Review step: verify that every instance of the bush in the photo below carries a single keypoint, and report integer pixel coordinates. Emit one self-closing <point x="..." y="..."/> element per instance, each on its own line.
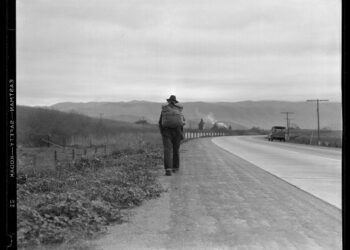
<point x="79" y="201"/>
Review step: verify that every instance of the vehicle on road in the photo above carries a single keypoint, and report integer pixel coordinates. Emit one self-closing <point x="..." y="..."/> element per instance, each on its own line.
<point x="277" y="133"/>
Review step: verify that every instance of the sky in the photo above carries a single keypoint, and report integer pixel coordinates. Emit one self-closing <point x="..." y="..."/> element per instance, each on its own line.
<point x="198" y="50"/>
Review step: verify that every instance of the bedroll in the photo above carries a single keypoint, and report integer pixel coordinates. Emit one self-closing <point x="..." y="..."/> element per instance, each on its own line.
<point x="172" y="116"/>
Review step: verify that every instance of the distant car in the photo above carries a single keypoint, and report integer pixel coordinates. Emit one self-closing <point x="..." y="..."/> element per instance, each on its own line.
<point x="277" y="133"/>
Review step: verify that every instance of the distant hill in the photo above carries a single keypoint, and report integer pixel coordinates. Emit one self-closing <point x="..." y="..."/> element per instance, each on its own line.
<point x="34" y="124"/>
<point x="240" y="115"/>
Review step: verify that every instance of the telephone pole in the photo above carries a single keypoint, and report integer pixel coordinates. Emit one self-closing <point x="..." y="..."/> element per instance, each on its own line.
<point x="287" y="118"/>
<point x="318" y="117"/>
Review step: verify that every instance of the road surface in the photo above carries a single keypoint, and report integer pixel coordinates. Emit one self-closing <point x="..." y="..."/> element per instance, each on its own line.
<point x="316" y="170"/>
<point x="220" y="201"/>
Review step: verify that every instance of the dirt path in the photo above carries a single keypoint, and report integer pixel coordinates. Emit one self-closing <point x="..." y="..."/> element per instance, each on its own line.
<point x="220" y="201"/>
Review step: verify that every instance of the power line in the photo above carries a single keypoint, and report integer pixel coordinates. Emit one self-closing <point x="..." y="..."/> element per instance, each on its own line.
<point x="318" y="117"/>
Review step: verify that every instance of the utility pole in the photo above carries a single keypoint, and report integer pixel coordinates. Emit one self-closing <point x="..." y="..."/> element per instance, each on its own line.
<point x="287" y="118"/>
<point x="318" y="117"/>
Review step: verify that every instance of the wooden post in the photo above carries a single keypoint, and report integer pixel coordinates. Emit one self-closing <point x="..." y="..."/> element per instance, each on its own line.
<point x="85" y="151"/>
<point x="55" y="158"/>
<point x="73" y="154"/>
<point x="34" y="161"/>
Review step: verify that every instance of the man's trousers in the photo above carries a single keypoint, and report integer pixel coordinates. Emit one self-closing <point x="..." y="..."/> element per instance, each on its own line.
<point x="171" y="141"/>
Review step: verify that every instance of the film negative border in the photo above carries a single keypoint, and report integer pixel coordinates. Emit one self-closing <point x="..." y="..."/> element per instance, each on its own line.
<point x="10" y="169"/>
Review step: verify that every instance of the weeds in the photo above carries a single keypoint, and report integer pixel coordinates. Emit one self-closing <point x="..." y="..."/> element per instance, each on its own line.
<point x="80" y="199"/>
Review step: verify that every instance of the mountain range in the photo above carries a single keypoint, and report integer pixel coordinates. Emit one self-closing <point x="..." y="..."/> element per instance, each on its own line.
<point x="238" y="115"/>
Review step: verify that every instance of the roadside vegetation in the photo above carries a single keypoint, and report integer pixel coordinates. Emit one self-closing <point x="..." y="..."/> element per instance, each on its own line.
<point x="78" y="199"/>
<point x="328" y="138"/>
<point x="64" y="198"/>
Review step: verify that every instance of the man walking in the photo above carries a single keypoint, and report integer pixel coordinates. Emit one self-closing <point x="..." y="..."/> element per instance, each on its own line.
<point x="171" y="124"/>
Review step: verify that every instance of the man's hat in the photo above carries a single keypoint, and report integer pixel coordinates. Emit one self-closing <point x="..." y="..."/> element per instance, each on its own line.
<point x="172" y="98"/>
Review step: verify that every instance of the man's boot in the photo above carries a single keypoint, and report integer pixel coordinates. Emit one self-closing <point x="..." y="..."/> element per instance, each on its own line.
<point x="168" y="172"/>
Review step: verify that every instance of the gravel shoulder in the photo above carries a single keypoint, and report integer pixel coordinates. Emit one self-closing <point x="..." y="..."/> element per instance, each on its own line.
<point x="221" y="201"/>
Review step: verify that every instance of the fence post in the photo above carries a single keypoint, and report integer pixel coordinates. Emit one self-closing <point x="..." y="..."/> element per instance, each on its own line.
<point x="34" y="161"/>
<point x="55" y="158"/>
<point x="73" y="154"/>
<point x="85" y="151"/>
<point x="95" y="150"/>
<point x="105" y="148"/>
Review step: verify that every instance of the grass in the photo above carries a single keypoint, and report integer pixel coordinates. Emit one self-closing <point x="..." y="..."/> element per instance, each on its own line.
<point x="77" y="199"/>
<point x="328" y="138"/>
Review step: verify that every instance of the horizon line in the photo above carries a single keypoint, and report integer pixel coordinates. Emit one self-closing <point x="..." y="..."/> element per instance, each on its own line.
<point x="135" y="101"/>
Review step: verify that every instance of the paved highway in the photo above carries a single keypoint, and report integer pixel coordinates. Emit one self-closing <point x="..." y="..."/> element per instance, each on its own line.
<point x="314" y="169"/>
<point x="218" y="200"/>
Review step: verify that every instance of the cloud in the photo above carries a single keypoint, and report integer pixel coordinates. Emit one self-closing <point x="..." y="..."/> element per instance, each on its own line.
<point x="68" y="49"/>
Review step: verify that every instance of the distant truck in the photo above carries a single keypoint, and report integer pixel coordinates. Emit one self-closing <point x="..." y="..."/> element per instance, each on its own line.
<point x="277" y="133"/>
